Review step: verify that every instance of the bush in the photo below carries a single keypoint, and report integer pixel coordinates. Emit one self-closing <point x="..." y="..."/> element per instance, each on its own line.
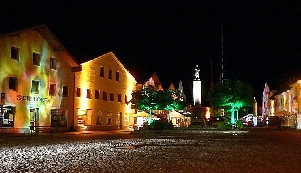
<point x="225" y="125"/>
<point x="160" y="125"/>
<point x="239" y="125"/>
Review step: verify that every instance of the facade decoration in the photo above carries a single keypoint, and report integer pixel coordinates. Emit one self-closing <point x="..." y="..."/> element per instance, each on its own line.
<point x="36" y="80"/>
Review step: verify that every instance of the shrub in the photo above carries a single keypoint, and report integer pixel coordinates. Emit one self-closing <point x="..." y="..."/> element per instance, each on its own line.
<point x="225" y="125"/>
<point x="160" y="125"/>
<point x="240" y="125"/>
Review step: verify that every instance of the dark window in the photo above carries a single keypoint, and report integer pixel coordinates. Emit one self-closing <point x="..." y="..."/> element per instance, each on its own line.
<point x="104" y="95"/>
<point x="35" y="87"/>
<point x="110" y="74"/>
<point x="119" y="97"/>
<point x="36" y="58"/>
<point x="112" y="97"/>
<point x="65" y="91"/>
<point x="53" y="63"/>
<point x="89" y="94"/>
<point x="14" y="53"/>
<point x="78" y="93"/>
<point x="117" y="76"/>
<point x="109" y="121"/>
<point x="102" y="72"/>
<point x="13" y="83"/>
<point x="52" y="89"/>
<point x="97" y="94"/>
<point x="125" y="99"/>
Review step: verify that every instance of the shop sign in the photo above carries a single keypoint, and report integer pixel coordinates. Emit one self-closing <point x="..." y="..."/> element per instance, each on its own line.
<point x="31" y="98"/>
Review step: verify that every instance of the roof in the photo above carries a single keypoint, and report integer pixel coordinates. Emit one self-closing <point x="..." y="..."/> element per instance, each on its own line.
<point x="44" y="31"/>
<point x="114" y="57"/>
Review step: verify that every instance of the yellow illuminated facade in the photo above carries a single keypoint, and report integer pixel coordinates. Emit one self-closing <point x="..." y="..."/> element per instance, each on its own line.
<point x="102" y="93"/>
<point x="36" y="81"/>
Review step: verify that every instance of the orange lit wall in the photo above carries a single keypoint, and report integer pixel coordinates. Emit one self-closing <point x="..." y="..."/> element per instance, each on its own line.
<point x="100" y="110"/>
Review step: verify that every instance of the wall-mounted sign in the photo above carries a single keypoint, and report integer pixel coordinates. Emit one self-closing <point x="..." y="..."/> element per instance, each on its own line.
<point x="34" y="99"/>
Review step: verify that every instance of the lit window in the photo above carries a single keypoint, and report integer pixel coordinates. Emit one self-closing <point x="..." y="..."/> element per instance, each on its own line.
<point x="110" y="74"/>
<point x="104" y="95"/>
<point x="97" y="94"/>
<point x="13" y="83"/>
<point x="35" y="87"/>
<point x="119" y="97"/>
<point x="36" y="58"/>
<point x="14" y="53"/>
<point x="52" y="89"/>
<point x="117" y="76"/>
<point x="53" y="63"/>
<point x="111" y="96"/>
<point x="102" y="72"/>
<point x="78" y="92"/>
<point x="65" y="91"/>
<point x="89" y="94"/>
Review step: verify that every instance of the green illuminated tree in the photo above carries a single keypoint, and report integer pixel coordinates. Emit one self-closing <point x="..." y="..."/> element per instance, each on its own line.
<point x="150" y="99"/>
<point x="232" y="96"/>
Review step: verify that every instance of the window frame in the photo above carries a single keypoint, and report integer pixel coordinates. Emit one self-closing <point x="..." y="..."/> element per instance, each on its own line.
<point x="13" y="83"/>
<point x="36" y="58"/>
<point x="17" y="49"/>
<point x="34" y="83"/>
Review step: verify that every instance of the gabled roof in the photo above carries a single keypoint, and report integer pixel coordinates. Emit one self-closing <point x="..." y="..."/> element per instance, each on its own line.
<point x="110" y="54"/>
<point x="52" y="40"/>
<point x="154" y="81"/>
<point x="172" y="87"/>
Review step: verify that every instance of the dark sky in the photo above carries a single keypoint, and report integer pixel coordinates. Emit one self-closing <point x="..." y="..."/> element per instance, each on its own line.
<point x="262" y="39"/>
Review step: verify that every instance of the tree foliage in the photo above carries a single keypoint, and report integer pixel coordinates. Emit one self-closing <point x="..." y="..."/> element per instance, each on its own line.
<point x="231" y="95"/>
<point x="147" y="99"/>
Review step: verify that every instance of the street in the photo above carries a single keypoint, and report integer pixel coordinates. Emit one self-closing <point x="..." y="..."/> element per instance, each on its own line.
<point x="261" y="150"/>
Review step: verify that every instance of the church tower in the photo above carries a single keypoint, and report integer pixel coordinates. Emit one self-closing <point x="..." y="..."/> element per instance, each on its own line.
<point x="197" y="86"/>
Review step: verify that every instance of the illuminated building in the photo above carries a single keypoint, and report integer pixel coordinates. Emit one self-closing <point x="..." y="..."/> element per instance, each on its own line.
<point x="197" y="87"/>
<point x="36" y="81"/>
<point x="102" y="93"/>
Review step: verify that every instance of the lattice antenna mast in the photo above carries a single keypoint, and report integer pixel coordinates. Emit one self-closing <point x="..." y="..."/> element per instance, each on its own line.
<point x="222" y="55"/>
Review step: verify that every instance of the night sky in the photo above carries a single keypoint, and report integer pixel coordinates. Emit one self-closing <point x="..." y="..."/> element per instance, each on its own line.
<point x="261" y="38"/>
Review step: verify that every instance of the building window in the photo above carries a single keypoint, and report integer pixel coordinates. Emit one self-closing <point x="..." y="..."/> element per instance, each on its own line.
<point x="97" y="94"/>
<point x="35" y="87"/>
<point x="14" y="53"/>
<point x="36" y="58"/>
<point x="13" y="83"/>
<point x="52" y="89"/>
<point x="53" y="63"/>
<point x="89" y="94"/>
<point x="119" y="97"/>
<point x="125" y="99"/>
<point x="104" y="95"/>
<point x="117" y="76"/>
<point x="112" y="97"/>
<point x="109" y="121"/>
<point x="110" y="74"/>
<point x="99" y="118"/>
<point x="102" y="72"/>
<point x="65" y="91"/>
<point x="78" y="92"/>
